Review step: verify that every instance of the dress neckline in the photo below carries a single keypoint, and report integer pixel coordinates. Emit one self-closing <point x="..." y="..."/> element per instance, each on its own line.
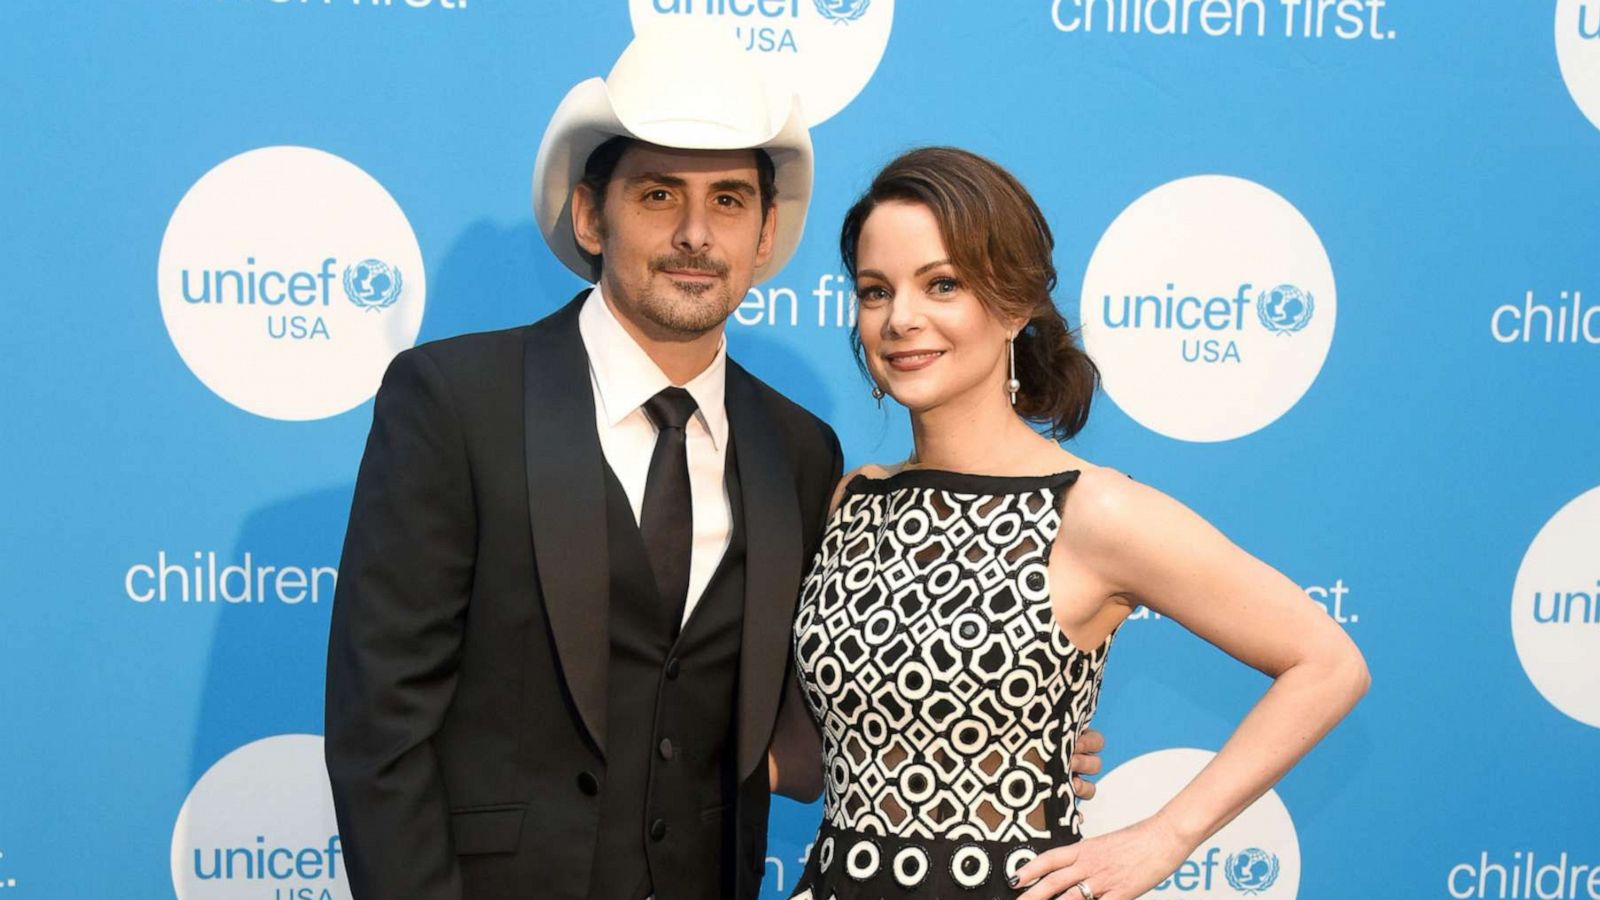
<point x="960" y="482"/>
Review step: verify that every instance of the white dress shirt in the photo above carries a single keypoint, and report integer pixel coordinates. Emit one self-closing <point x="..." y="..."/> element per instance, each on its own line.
<point x="624" y="377"/>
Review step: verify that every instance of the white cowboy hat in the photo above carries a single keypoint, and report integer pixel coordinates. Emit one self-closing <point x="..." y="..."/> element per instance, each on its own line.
<point x="684" y="87"/>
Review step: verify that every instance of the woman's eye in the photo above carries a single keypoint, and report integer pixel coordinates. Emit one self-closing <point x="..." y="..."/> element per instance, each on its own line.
<point x="944" y="285"/>
<point x="870" y="294"/>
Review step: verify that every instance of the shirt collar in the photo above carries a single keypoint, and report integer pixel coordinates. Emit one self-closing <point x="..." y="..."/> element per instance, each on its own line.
<point x="625" y="376"/>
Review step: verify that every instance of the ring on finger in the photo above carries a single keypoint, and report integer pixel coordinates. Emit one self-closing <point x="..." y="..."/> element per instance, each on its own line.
<point x="1083" y="888"/>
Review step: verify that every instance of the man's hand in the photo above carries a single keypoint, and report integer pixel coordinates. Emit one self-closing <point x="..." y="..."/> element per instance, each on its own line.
<point x="1086" y="761"/>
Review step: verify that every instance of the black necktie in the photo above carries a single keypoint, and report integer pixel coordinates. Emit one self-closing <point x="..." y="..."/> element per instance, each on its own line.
<point x="667" y="521"/>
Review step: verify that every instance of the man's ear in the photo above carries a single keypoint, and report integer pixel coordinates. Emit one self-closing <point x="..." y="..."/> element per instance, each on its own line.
<point x="769" y="230"/>
<point x="588" y="224"/>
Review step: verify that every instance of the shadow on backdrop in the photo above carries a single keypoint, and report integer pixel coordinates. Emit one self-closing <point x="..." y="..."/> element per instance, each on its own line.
<point x="266" y="662"/>
<point x="494" y="277"/>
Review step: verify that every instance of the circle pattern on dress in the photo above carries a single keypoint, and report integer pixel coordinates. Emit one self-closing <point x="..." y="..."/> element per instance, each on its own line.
<point x="910" y="866"/>
<point x="863" y="859"/>
<point x="949" y="700"/>
<point x="969" y="866"/>
<point x="1018" y="858"/>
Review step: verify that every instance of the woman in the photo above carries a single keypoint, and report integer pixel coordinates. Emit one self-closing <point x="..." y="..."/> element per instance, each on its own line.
<point x="954" y="628"/>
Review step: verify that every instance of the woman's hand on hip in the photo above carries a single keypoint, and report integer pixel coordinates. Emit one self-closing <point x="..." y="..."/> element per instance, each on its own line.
<point x="1121" y="865"/>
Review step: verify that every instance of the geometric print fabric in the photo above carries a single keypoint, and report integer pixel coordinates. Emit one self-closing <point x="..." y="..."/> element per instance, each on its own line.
<point x="948" y="699"/>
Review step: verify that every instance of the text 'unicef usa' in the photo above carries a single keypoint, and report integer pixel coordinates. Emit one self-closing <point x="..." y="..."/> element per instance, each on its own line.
<point x="1345" y="20"/>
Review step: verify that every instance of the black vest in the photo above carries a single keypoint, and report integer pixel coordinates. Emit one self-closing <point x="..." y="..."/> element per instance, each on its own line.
<point x="667" y="806"/>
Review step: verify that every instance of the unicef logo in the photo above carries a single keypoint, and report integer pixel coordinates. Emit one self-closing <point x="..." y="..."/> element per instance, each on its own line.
<point x="799" y="46"/>
<point x="1187" y="344"/>
<point x="372" y="284"/>
<point x="1555" y="609"/>
<point x="842" y="10"/>
<point x="1284" y="309"/>
<point x="1252" y="870"/>
<point x="249" y="284"/>
<point x="260" y="824"/>
<point x="1578" y="53"/>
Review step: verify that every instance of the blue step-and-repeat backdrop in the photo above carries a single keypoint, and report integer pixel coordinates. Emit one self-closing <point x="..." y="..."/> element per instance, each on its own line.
<point x="1339" y="261"/>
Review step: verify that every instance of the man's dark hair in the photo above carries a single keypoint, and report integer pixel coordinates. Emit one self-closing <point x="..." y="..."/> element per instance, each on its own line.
<point x="597" y="171"/>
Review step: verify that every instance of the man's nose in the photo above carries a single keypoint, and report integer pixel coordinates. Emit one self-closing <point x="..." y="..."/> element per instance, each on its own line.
<point x="693" y="234"/>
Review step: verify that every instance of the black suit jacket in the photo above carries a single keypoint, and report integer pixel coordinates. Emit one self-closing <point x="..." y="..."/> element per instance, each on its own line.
<point x="466" y="685"/>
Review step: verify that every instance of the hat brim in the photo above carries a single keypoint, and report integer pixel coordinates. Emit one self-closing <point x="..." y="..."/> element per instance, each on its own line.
<point x="586" y="118"/>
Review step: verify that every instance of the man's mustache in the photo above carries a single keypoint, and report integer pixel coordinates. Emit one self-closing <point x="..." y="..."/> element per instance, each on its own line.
<point x="704" y="264"/>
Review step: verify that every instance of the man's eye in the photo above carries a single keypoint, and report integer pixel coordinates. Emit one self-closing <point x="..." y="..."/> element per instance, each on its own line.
<point x="658" y="195"/>
<point x="729" y="200"/>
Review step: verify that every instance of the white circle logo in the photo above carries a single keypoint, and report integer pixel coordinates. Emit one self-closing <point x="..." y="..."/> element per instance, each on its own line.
<point x="289" y="278"/>
<point x="260" y="824"/>
<point x="1209" y="307"/>
<point x="1257" y="854"/>
<point x="824" y="50"/>
<point x="1555" y="609"/>
<point x="1578" y="53"/>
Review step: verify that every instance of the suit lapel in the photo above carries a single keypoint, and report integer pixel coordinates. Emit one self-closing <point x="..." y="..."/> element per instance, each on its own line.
<point x="772" y="565"/>
<point x="566" y="506"/>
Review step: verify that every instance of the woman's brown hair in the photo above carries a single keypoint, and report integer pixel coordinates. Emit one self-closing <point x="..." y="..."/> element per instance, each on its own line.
<point x="1000" y="244"/>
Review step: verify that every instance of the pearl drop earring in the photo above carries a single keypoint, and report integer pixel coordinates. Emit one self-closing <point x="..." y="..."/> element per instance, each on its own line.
<point x="1013" y="385"/>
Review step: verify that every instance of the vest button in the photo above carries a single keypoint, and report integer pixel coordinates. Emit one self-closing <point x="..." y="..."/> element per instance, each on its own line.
<point x="589" y="784"/>
<point x="658" y="829"/>
<point x="672" y="668"/>
<point x="666" y="748"/>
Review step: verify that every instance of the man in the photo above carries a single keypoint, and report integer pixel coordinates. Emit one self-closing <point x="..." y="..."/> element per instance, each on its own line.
<point x="562" y="625"/>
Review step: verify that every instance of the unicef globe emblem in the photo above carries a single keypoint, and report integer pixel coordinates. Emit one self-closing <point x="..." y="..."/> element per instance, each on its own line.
<point x="1251" y="870"/>
<point x="1285" y="308"/>
<point x="372" y="284"/>
<point x="842" y="10"/>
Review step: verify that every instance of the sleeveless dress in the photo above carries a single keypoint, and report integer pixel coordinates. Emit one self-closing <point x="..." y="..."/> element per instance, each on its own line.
<point x="948" y="699"/>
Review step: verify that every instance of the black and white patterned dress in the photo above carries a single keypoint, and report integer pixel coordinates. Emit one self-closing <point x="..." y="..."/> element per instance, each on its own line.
<point x="948" y="698"/>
